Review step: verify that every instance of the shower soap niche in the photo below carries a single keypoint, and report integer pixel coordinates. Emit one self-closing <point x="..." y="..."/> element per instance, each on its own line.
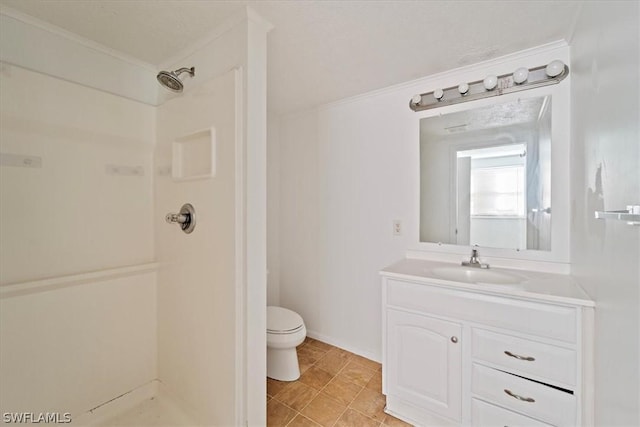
<point x="194" y="156"/>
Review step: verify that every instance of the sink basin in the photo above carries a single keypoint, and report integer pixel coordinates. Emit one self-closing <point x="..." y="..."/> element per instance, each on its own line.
<point x="476" y="275"/>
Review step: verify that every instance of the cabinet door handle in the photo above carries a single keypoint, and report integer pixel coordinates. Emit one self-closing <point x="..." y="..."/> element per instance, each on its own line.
<point x="454" y="339"/>
<point x="517" y="356"/>
<point x="515" y="396"/>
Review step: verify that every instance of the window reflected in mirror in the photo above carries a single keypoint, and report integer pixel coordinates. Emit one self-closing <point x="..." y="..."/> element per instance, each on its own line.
<point x="485" y="176"/>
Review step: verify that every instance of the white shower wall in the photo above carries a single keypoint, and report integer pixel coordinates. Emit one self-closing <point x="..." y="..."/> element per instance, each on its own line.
<point x="197" y="279"/>
<point x="87" y="314"/>
<point x="74" y="341"/>
<point x="73" y="214"/>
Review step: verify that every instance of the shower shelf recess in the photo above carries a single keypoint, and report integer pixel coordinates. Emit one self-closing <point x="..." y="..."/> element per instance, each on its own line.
<point x="622" y="215"/>
<point x="194" y="156"/>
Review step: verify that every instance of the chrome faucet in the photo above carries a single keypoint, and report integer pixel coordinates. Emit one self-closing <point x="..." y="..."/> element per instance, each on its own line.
<point x="474" y="261"/>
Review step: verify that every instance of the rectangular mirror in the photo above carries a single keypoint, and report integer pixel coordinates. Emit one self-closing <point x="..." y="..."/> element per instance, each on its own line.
<point x="485" y="176"/>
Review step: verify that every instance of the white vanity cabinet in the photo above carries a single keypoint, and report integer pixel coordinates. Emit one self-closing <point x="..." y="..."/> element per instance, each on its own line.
<point x="482" y="355"/>
<point x="424" y="361"/>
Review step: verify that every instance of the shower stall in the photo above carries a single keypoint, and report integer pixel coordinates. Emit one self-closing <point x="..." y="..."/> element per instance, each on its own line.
<point x="132" y="231"/>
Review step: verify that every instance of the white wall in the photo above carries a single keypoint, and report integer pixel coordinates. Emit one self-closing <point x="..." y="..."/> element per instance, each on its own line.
<point x="347" y="170"/>
<point x="75" y="345"/>
<point x="606" y="175"/>
<point x="498" y="232"/>
<point x="438" y="190"/>
<point x="254" y="214"/>
<point x="273" y="209"/>
<point x="78" y="346"/>
<point x="196" y="282"/>
<point x="72" y="215"/>
<point x="39" y="46"/>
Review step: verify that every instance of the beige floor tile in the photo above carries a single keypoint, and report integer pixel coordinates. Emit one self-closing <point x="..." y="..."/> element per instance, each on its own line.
<point x="321" y="345"/>
<point x="333" y="361"/>
<point x="343" y="353"/>
<point x="297" y="395"/>
<point x="318" y="347"/>
<point x="308" y="356"/>
<point x="342" y="390"/>
<point x="357" y="374"/>
<point x="278" y="415"/>
<point x="274" y="386"/>
<point x="370" y="403"/>
<point x="316" y="378"/>
<point x="394" y="422"/>
<point x="302" y="421"/>
<point x="311" y="352"/>
<point x="352" y="418"/>
<point x="375" y="383"/>
<point x="369" y="364"/>
<point x="336" y="388"/>
<point x="305" y="363"/>
<point x="324" y="410"/>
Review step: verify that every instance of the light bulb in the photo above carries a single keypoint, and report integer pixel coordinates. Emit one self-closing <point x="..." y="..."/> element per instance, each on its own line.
<point x="490" y="82"/>
<point x="438" y="94"/>
<point x="555" y="68"/>
<point x="463" y="88"/>
<point x="416" y="99"/>
<point x="520" y="75"/>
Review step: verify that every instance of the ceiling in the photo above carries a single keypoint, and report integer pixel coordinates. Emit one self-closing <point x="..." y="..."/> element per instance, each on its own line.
<point x="523" y="112"/>
<point x="323" y="51"/>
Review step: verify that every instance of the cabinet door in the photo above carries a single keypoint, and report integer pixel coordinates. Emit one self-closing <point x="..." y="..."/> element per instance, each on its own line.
<point x="424" y="362"/>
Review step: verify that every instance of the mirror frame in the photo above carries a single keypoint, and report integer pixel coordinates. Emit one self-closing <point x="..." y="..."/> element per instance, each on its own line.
<point x="560" y="177"/>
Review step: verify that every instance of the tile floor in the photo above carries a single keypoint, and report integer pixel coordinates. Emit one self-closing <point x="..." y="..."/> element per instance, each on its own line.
<point x="336" y="388"/>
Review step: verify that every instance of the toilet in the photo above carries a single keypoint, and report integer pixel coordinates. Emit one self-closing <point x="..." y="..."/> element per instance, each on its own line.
<point x="285" y="331"/>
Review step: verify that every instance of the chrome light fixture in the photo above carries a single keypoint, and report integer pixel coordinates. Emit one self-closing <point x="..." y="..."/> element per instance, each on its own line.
<point x="521" y="75"/>
<point x="490" y="82"/>
<point x="554" y="68"/>
<point x="521" y="79"/>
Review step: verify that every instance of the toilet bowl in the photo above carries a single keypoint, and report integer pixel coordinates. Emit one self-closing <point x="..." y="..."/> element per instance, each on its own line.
<point x="285" y="331"/>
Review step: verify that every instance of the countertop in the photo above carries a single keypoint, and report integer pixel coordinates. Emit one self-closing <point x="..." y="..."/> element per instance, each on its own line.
<point x="548" y="287"/>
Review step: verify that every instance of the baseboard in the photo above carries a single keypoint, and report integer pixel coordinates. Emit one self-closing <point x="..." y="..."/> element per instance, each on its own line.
<point x="343" y="345"/>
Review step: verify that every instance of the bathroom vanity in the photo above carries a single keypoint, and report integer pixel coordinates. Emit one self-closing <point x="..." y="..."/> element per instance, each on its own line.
<point x="475" y="347"/>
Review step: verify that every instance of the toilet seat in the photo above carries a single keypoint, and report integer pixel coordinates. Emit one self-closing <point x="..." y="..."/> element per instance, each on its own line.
<point x="283" y="321"/>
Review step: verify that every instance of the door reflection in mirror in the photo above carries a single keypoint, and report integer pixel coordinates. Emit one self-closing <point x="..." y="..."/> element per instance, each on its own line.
<point x="485" y="176"/>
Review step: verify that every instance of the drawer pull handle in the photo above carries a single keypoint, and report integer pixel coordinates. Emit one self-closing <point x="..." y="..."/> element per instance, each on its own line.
<point x="517" y="356"/>
<point x="515" y="396"/>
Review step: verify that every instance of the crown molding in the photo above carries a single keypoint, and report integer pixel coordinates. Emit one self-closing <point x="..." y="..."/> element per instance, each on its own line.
<point x="75" y="38"/>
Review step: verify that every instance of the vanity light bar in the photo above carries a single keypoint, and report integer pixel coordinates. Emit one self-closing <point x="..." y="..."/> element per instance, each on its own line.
<point x="520" y="79"/>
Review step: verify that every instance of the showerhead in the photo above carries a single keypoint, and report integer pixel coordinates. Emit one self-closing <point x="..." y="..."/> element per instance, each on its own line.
<point x="169" y="79"/>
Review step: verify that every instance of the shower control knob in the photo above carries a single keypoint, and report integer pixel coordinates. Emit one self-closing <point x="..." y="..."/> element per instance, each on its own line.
<point x="186" y="218"/>
<point x="179" y="218"/>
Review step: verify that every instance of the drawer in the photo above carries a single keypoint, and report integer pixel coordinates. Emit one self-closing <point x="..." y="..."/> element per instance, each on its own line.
<point x="484" y="414"/>
<point x="527" y="317"/>
<point x="527" y="397"/>
<point x="543" y="362"/>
